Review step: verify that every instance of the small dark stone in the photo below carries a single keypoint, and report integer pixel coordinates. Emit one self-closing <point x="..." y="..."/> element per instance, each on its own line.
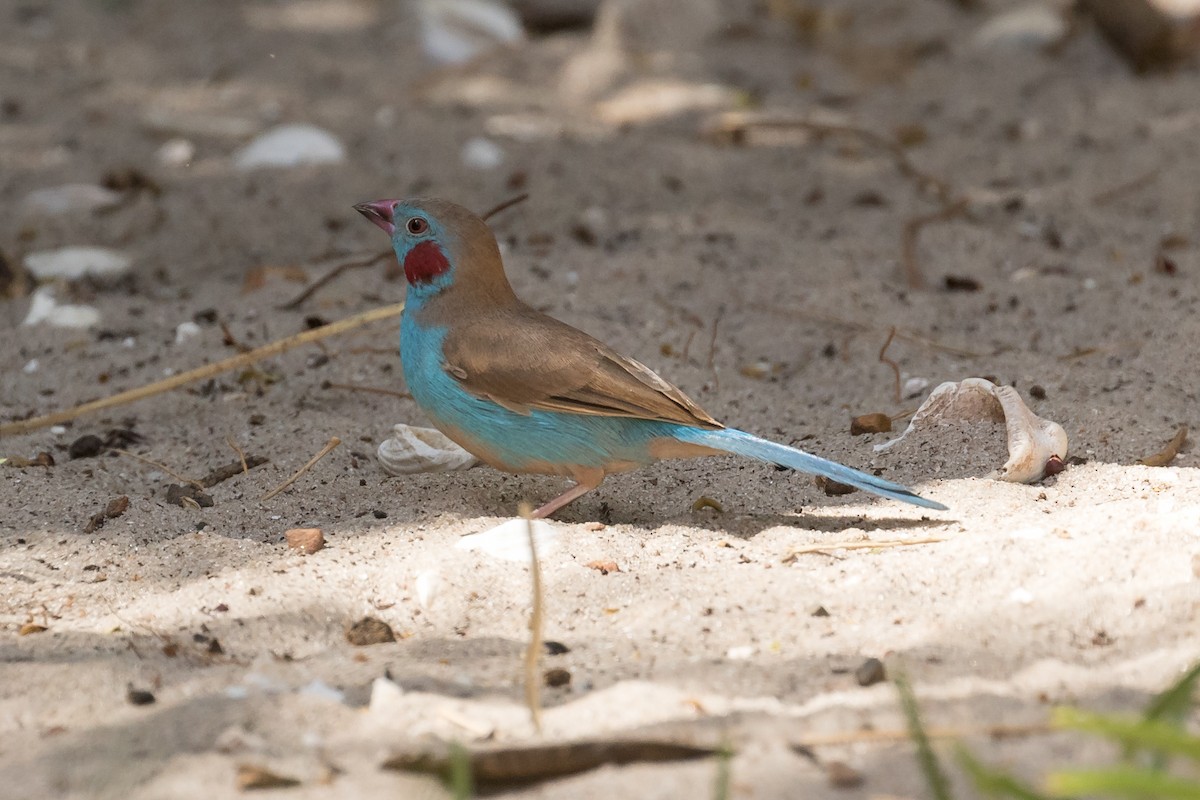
<point x="554" y="648"/>
<point x="316" y="360"/>
<point x="257" y="419"/>
<point x="139" y="697"/>
<point x="821" y="611"/>
<point x="206" y="316"/>
<point x="379" y="514"/>
<point x="176" y="494"/>
<point x="842" y="775"/>
<point x="960" y="283"/>
<point x="88" y="446"/>
<point x="870" y="672"/>
<point x="833" y="488"/>
<point x="557" y="677"/>
<point x="121" y="437"/>
<point x="1037" y="392"/>
<point x="870" y="199"/>
<point x="369" y="630"/>
<point x="312" y="321"/>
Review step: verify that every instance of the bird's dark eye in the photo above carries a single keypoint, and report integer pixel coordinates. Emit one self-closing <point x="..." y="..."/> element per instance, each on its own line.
<point x="416" y="226"/>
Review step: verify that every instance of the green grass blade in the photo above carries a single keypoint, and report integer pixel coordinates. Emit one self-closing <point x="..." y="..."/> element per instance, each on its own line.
<point x="1133" y="732"/>
<point x="1174" y="704"/>
<point x="935" y="776"/>
<point x="1123" y="782"/>
<point x="459" y="779"/>
<point x="992" y="783"/>
<point x="724" y="773"/>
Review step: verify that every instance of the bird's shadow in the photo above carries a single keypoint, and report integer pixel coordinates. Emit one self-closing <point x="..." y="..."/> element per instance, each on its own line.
<point x="747" y="526"/>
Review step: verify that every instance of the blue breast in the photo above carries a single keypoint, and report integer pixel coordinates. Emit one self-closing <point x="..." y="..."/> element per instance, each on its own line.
<point x="518" y="441"/>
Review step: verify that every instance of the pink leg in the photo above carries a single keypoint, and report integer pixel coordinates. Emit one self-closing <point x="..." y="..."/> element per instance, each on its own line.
<point x="584" y="483"/>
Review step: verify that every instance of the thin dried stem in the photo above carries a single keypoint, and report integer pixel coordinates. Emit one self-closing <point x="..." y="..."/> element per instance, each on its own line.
<point x="352" y="387"/>
<point x="240" y="452"/>
<point x="885" y="360"/>
<point x="536" y="625"/>
<point x="159" y="466"/>
<point x="332" y="443"/>
<point x="202" y="373"/>
<point x="876" y="544"/>
<point x="358" y="262"/>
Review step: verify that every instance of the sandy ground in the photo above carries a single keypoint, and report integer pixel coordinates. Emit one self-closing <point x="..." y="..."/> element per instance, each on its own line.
<point x="1081" y="590"/>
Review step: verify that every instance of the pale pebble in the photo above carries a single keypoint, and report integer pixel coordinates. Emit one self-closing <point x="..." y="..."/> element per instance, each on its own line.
<point x="509" y="541"/>
<point x="44" y="308"/>
<point x="290" y="146"/>
<point x="480" y="153"/>
<point x="76" y="262"/>
<point x="69" y="197"/>
<point x="177" y="152"/>
<point x="185" y="331"/>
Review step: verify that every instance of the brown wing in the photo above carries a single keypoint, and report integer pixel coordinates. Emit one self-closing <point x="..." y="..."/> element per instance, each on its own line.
<point x="524" y="360"/>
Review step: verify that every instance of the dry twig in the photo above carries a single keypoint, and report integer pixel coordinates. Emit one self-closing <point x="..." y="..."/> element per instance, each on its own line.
<point x="352" y="387"/>
<point x="536" y="626"/>
<point x="885" y="360"/>
<point x="159" y="466"/>
<point x="1165" y="456"/>
<point x="332" y="443"/>
<point x="202" y="373"/>
<point x="866" y="544"/>
<point x="240" y="452"/>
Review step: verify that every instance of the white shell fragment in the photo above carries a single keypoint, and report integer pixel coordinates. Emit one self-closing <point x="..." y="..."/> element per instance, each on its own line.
<point x="455" y="31"/>
<point x="481" y="153"/>
<point x="509" y="541"/>
<point x="412" y="450"/>
<point x="71" y="197"/>
<point x="44" y="308"/>
<point x="1036" y="446"/>
<point x="185" y="331"/>
<point x="73" y="263"/>
<point x="290" y="146"/>
<point x="1029" y="27"/>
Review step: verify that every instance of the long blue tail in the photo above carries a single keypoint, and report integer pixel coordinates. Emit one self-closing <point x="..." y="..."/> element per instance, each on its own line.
<point x="743" y="444"/>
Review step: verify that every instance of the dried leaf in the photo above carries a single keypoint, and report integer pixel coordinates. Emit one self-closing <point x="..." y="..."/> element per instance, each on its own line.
<point x="250" y="776"/>
<point x="870" y="423"/>
<point x="517" y="766"/>
<point x="1165" y="456"/>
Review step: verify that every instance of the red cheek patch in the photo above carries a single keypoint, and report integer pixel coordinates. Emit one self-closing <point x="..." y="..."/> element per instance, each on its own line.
<point x="424" y="263"/>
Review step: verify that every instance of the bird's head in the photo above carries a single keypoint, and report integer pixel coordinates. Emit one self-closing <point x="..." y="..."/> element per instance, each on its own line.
<point x="440" y="245"/>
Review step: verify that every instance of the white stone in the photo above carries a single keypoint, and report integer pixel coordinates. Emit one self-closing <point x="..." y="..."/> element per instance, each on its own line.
<point x="76" y="262"/>
<point x="456" y="31"/>
<point x="44" y="308"/>
<point x="509" y="541"/>
<point x="1033" y="26"/>
<point x="412" y="450"/>
<point x="71" y="197"/>
<point x="30" y="367"/>
<point x="740" y="653"/>
<point x="318" y="688"/>
<point x="480" y="153"/>
<point x="1021" y="596"/>
<point x="385" y="696"/>
<point x="185" y="331"/>
<point x="176" y="152"/>
<point x="290" y="146"/>
<point x="428" y="585"/>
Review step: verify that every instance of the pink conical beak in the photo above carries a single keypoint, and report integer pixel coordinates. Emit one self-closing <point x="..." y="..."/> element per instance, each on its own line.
<point x="379" y="212"/>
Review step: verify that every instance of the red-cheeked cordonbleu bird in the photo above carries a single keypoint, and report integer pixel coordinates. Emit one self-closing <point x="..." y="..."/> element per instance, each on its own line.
<point x="529" y="394"/>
